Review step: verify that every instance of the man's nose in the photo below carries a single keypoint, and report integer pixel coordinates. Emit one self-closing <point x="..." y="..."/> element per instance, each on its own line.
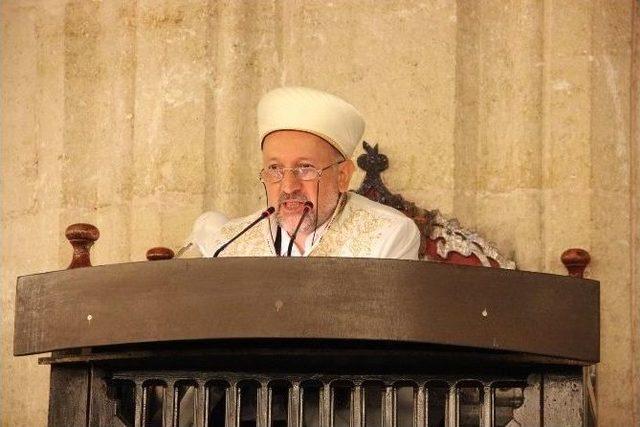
<point x="290" y="182"/>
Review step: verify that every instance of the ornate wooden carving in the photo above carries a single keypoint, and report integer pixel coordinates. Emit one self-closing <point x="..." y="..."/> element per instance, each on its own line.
<point x="82" y="237"/>
<point x="159" y="253"/>
<point x="442" y="239"/>
<point x="575" y="260"/>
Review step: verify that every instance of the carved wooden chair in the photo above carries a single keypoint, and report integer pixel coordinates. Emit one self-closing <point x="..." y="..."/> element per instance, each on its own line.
<point x="442" y="239"/>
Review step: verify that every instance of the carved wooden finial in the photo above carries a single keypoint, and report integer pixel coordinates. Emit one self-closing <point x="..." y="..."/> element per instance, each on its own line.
<point x="82" y="237"/>
<point x="373" y="163"/>
<point x="159" y="253"/>
<point x="575" y="260"/>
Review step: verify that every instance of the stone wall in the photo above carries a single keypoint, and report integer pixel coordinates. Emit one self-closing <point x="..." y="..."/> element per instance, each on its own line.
<point x="518" y="117"/>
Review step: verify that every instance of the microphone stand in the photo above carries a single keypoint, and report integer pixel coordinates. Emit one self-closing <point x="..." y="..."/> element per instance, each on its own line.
<point x="307" y="207"/>
<point x="262" y="216"/>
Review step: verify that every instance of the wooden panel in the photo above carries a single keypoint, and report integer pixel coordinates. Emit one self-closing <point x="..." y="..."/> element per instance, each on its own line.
<point x="331" y="298"/>
<point x="102" y="411"/>
<point x="68" y="395"/>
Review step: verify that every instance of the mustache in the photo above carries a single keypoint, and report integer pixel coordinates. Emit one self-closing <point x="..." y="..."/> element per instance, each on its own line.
<point x="296" y="197"/>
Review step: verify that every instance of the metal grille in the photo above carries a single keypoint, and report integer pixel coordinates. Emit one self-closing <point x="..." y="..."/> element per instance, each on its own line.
<point x="231" y="400"/>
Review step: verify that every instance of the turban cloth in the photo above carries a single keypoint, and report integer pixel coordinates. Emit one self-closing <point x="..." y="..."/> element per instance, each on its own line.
<point x="309" y="110"/>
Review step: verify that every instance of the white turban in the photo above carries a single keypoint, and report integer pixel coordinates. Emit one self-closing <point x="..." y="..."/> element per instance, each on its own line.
<point x="309" y="110"/>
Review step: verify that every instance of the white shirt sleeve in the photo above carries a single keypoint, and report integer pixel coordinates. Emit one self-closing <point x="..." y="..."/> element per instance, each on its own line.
<point x="205" y="230"/>
<point x="401" y="241"/>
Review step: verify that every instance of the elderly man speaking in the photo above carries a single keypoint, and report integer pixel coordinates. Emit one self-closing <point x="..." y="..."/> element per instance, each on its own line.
<point x="307" y="138"/>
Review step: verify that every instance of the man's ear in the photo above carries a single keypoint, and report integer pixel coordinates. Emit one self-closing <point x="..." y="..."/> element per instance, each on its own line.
<point x="345" y="172"/>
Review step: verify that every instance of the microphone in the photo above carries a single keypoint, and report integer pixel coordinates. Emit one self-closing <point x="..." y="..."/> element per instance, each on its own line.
<point x="307" y="207"/>
<point x="262" y="216"/>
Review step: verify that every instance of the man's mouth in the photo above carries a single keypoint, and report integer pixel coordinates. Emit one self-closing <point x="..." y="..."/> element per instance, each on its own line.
<point x="292" y="205"/>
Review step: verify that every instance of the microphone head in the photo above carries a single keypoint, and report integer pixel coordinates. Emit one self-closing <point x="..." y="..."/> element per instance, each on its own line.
<point x="308" y="205"/>
<point x="269" y="211"/>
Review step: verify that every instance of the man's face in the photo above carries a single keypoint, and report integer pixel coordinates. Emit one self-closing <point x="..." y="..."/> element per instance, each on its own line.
<point x="290" y="149"/>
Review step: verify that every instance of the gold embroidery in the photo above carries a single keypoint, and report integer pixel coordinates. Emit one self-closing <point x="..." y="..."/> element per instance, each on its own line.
<point x="351" y="231"/>
<point x="252" y="243"/>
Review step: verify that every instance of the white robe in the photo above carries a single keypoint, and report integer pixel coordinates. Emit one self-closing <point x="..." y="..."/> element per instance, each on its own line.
<point x="358" y="228"/>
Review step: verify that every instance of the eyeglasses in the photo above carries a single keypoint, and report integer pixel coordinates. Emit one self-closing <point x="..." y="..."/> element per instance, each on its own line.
<point x="274" y="174"/>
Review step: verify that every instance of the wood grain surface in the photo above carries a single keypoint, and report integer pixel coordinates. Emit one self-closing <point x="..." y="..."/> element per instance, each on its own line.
<point x="308" y="298"/>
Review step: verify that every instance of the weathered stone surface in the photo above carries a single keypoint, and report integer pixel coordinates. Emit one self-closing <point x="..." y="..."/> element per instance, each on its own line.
<point x="520" y="118"/>
<point x="634" y="158"/>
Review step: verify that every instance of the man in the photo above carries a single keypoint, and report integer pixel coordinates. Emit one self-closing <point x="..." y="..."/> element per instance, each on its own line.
<point x="307" y="138"/>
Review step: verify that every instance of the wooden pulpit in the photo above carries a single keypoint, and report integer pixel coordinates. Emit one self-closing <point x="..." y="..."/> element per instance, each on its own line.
<point x="310" y="342"/>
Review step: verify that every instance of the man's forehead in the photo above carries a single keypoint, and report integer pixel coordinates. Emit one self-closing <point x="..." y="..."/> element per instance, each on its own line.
<point x="293" y="157"/>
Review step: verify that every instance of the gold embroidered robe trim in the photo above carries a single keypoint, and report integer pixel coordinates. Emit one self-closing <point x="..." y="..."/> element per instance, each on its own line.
<point x="359" y="227"/>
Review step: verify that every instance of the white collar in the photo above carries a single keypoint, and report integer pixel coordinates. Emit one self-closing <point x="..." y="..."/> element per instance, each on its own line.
<point x="309" y="242"/>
